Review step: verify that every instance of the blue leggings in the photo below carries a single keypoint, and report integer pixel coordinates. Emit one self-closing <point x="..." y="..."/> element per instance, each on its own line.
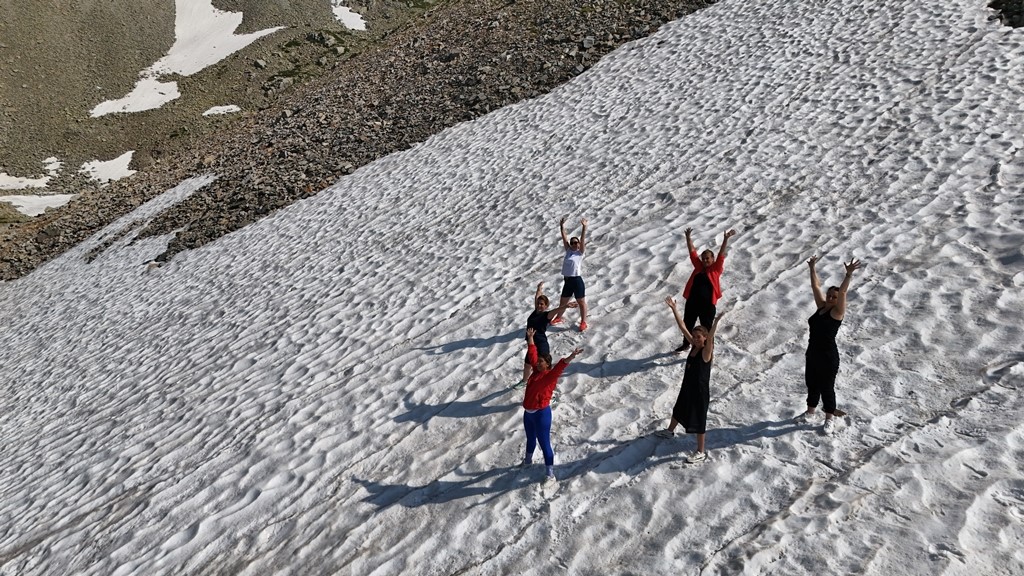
<point x="538" y="428"/>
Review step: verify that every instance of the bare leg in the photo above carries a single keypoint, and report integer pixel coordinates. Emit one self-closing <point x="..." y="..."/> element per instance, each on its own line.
<point x="583" y="309"/>
<point x="668" y="432"/>
<point x="527" y="370"/>
<point x="561" y="302"/>
<point x="700" y="442"/>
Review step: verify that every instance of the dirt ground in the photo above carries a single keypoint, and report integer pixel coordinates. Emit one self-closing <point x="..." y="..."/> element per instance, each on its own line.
<point x="58" y="62"/>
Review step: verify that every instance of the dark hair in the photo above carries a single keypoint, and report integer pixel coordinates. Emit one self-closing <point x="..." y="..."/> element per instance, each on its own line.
<point x="543" y="298"/>
<point x="707" y="251"/>
<point x="573" y="239"/>
<point x="831" y="288"/>
<point x="546" y="358"/>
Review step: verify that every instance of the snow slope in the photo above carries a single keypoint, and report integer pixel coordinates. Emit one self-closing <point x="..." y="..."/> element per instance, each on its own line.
<point x="326" y="391"/>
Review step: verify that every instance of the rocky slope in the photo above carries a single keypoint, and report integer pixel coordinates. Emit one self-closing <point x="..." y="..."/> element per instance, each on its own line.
<point x="453" y="62"/>
<point x="456" y="61"/>
<point x="59" y="63"/>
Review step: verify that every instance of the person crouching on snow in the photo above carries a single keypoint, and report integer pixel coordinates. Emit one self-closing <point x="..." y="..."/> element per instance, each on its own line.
<point x="691" y="408"/>
<point x="537" y="403"/>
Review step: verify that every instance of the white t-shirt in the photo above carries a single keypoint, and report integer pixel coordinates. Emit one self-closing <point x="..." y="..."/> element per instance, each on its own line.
<point x="572" y="265"/>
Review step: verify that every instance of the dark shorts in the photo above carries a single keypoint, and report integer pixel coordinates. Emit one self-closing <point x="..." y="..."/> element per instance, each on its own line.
<point x="574" y="287"/>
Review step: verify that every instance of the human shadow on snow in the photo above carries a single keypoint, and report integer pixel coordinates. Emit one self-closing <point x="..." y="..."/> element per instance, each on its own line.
<point x="619" y="367"/>
<point x="465" y="343"/>
<point x="422" y="413"/>
<point x="631" y="457"/>
<point x="721" y="438"/>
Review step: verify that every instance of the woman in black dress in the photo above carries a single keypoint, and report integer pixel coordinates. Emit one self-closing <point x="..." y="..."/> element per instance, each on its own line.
<point x="691" y="408"/>
<point x="822" y="353"/>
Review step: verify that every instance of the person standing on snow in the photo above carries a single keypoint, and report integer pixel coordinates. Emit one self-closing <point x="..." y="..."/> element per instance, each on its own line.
<point x="539" y="320"/>
<point x="572" y="270"/>
<point x="822" y="353"/>
<point x="537" y="403"/>
<point x="691" y="407"/>
<point x="703" y="289"/>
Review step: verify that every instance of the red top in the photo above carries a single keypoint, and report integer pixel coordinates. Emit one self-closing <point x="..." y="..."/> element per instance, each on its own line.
<point x="714" y="275"/>
<point x="541" y="385"/>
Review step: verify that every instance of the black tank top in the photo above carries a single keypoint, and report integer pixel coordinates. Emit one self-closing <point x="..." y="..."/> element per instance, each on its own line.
<point x="538" y="321"/>
<point x="701" y="291"/>
<point x="823" y="334"/>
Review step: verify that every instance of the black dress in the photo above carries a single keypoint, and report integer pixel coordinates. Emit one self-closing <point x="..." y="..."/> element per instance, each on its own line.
<point x="691" y="409"/>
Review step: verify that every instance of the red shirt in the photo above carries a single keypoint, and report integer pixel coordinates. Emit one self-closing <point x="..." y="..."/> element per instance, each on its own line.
<point x="541" y="385"/>
<point x="714" y="275"/>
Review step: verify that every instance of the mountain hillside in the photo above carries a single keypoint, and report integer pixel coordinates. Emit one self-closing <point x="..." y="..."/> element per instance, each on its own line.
<point x="444" y="63"/>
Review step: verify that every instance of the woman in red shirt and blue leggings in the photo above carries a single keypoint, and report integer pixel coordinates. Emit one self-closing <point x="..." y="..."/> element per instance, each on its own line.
<point x="537" y="402"/>
<point x="703" y="289"/>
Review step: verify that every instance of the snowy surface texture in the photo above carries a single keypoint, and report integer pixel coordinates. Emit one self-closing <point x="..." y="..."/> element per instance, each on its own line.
<point x="326" y="391"/>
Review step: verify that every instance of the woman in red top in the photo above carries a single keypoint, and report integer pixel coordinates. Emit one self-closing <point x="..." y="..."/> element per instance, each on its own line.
<point x="537" y="402"/>
<point x="703" y="289"/>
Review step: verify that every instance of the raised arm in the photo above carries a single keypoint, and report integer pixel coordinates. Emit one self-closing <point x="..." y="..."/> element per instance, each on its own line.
<point x="583" y="235"/>
<point x="725" y="244"/>
<point x="839" y="310"/>
<point x="709" y="348"/>
<point x="565" y="237"/>
<point x="679" y="319"/>
<point x="531" y="348"/>
<point x="689" y="241"/>
<point x="540" y="292"/>
<point x="819" y="300"/>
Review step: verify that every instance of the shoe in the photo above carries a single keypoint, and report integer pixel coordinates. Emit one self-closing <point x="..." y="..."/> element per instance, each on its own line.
<point x="804" y="418"/>
<point x="684" y="347"/>
<point x="583" y="326"/>
<point x="830" y="426"/>
<point x="665" y="433"/>
<point x="519" y="385"/>
<point x="696" y="458"/>
<point x="556" y="320"/>
<point x="525" y="464"/>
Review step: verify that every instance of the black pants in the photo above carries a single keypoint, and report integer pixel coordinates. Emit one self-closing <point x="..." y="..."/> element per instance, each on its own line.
<point x="820" y="375"/>
<point x="693" y="311"/>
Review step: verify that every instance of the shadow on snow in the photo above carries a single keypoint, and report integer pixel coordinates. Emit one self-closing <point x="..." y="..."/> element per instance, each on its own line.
<point x="619" y="456"/>
<point x="422" y="413"/>
<point x="465" y="343"/>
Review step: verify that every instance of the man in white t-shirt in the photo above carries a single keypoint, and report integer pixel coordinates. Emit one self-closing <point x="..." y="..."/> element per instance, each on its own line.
<point x="572" y="271"/>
